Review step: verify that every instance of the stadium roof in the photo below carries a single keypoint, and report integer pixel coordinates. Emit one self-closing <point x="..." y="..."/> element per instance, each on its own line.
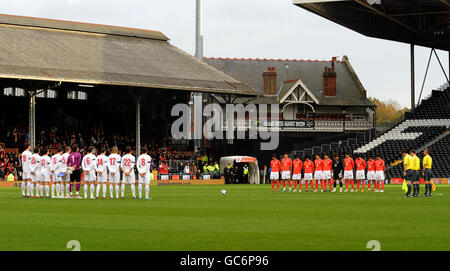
<point x="62" y="51"/>
<point x="350" y="91"/>
<point x="419" y="22"/>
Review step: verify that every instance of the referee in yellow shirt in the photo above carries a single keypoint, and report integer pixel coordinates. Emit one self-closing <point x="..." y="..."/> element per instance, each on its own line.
<point x="407" y="171"/>
<point x="427" y="165"/>
<point x="415" y="166"/>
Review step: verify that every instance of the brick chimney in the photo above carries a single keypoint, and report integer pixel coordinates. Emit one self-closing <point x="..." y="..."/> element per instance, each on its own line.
<point x="270" y="81"/>
<point x="329" y="80"/>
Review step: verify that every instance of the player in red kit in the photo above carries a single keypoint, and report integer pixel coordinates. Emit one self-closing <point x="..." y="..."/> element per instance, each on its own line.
<point x="286" y="169"/>
<point x="275" y="167"/>
<point x="379" y="169"/>
<point x="297" y="166"/>
<point x="349" y="165"/>
<point x="371" y="175"/>
<point x="360" y="173"/>
<point x="318" y="172"/>
<point x="327" y="167"/>
<point x="308" y="167"/>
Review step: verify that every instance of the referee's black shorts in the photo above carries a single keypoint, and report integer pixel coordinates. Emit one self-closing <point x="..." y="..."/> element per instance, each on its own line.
<point x="75" y="177"/>
<point x="409" y="175"/>
<point x="415" y="176"/>
<point x="427" y="175"/>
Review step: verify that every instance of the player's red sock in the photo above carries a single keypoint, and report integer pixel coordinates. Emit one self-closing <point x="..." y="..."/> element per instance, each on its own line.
<point x="382" y="185"/>
<point x="377" y="186"/>
<point x="295" y="185"/>
<point x="331" y="185"/>
<point x="321" y="185"/>
<point x="317" y="185"/>
<point x="290" y="184"/>
<point x="363" y="185"/>
<point x="306" y="185"/>
<point x="346" y="185"/>
<point x="353" y="185"/>
<point x="357" y="186"/>
<point x="278" y="185"/>
<point x="369" y="185"/>
<point x="284" y="185"/>
<point x="300" y="185"/>
<point x="273" y="185"/>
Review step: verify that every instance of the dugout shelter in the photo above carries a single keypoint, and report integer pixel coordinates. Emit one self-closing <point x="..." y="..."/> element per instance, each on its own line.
<point x="252" y="162"/>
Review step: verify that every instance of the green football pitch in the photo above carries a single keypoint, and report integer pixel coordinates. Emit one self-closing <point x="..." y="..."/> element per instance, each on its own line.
<point x="249" y="217"/>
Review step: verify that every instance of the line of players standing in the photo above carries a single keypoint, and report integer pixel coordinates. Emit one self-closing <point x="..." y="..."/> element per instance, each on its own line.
<point x="327" y="173"/>
<point x="59" y="174"/>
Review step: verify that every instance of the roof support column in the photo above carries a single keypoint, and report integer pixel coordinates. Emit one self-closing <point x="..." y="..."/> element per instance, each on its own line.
<point x="199" y="56"/>
<point x="138" y="124"/>
<point x="32" y="118"/>
<point x="413" y="84"/>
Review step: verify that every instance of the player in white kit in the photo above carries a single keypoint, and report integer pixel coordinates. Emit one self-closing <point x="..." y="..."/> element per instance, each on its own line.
<point x="114" y="171"/>
<point x="55" y="167"/>
<point x="66" y="176"/>
<point x="45" y="173"/>
<point x="144" y="162"/>
<point x="102" y="170"/>
<point x="88" y="166"/>
<point x="26" y="183"/>
<point x="127" y="166"/>
<point x="35" y="164"/>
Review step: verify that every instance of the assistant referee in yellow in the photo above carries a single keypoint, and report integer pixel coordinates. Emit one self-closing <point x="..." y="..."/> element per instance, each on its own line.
<point x="415" y="166"/>
<point x="427" y="165"/>
<point x="407" y="172"/>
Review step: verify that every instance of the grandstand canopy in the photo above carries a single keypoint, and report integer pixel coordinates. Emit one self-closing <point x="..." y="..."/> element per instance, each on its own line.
<point x="61" y="51"/>
<point x="419" y="22"/>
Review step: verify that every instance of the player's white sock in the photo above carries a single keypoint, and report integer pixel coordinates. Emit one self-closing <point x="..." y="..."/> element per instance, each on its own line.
<point x="23" y="188"/>
<point x="147" y="190"/>
<point x="104" y="190"/>
<point x="117" y="191"/>
<point x="140" y="190"/>
<point x="85" y="189"/>
<point x="37" y="190"/>
<point x="28" y="188"/>
<point x="53" y="189"/>
<point x="67" y="190"/>
<point x="41" y="190"/>
<point x="47" y="190"/>
<point x="123" y="190"/>
<point x="111" y="191"/>
<point x="31" y="189"/>
<point x="133" y="190"/>
<point x="92" y="190"/>
<point x="98" y="190"/>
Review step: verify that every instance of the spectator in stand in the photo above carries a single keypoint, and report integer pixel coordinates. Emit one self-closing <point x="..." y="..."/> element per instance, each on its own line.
<point x="11" y="177"/>
<point x="2" y="173"/>
<point x="193" y="168"/>
<point x="181" y="168"/>
<point x="216" y="169"/>
<point x="187" y="169"/>
<point x="204" y="159"/>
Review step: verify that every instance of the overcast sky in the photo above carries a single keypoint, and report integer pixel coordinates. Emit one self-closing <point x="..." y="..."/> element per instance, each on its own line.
<point x="255" y="29"/>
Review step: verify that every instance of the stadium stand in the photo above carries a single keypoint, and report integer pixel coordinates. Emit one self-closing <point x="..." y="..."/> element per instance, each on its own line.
<point x="425" y="127"/>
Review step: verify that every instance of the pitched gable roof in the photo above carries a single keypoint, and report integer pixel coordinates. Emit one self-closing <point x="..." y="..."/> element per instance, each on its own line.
<point x="350" y="91"/>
